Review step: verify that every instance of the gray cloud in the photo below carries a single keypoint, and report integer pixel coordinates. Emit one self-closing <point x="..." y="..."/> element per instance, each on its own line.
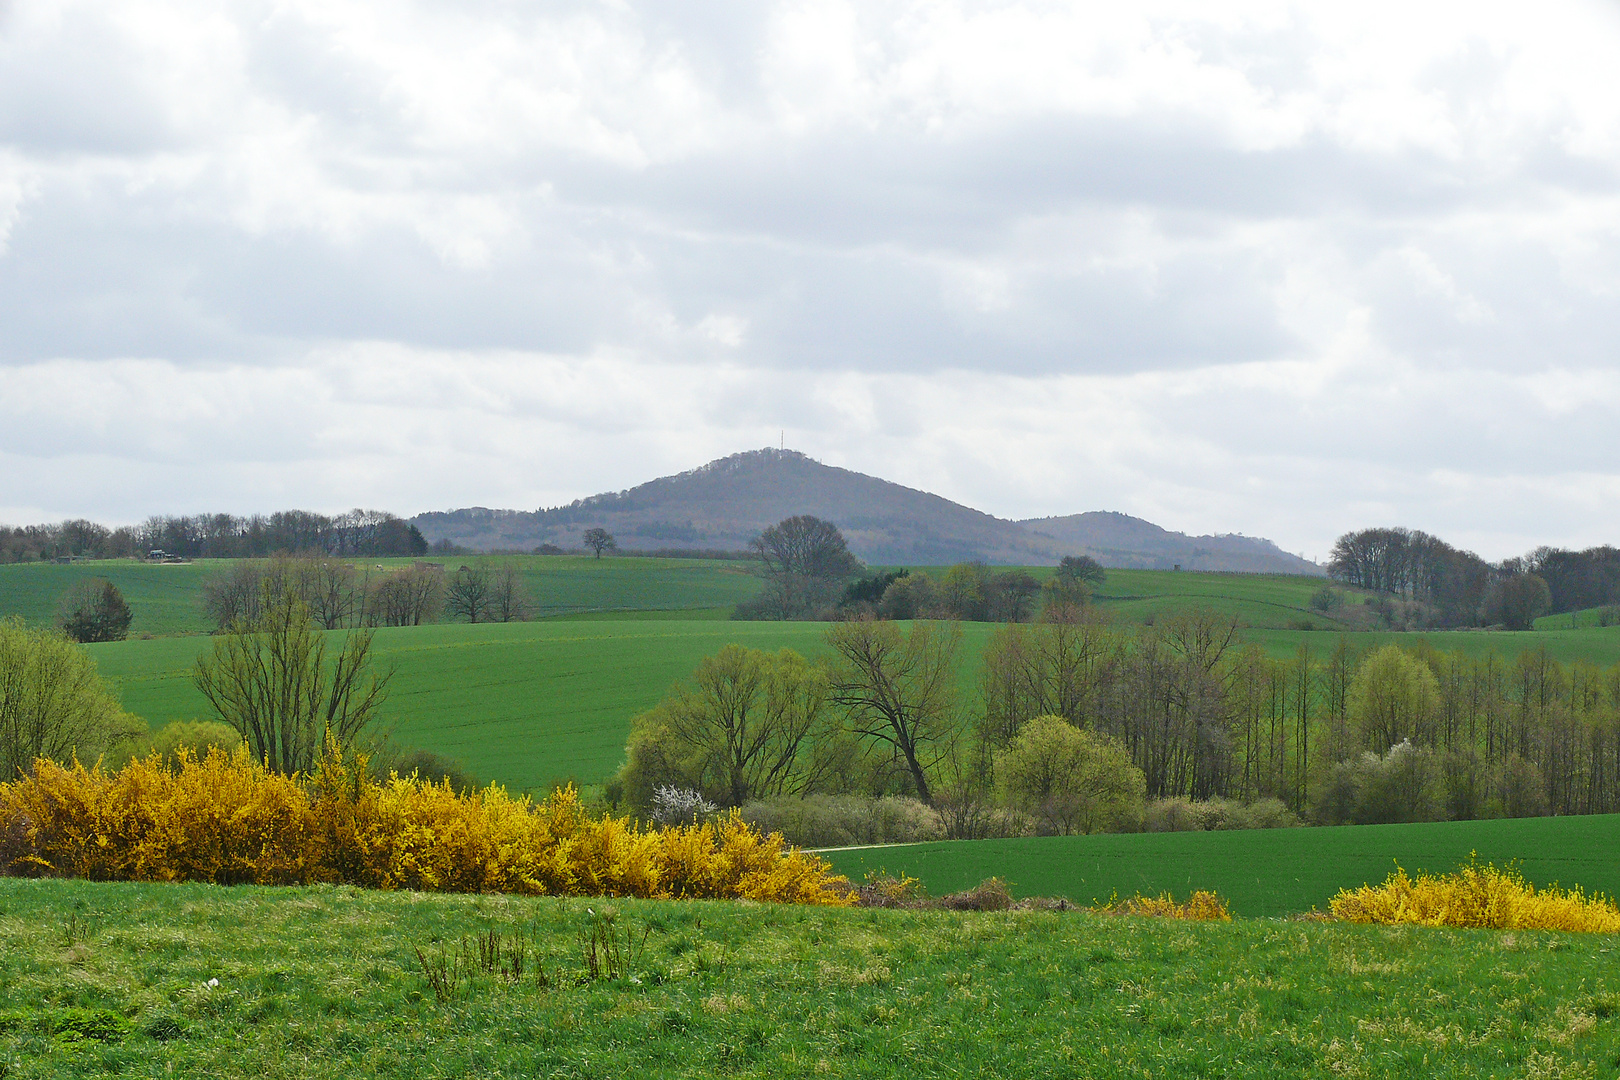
<point x="1232" y="267"/>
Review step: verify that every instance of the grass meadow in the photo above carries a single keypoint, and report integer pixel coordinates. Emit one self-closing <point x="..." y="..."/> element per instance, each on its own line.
<point x="1261" y="872"/>
<point x="187" y="980"/>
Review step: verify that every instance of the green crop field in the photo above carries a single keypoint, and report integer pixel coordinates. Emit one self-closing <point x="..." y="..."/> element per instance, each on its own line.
<point x="196" y="980"/>
<point x="1599" y="645"/>
<point x="524" y="704"/>
<point x="162" y="597"/>
<point x="1272" y="601"/>
<point x="1259" y="871"/>
<point x="527" y="704"/>
<point x="167" y="598"/>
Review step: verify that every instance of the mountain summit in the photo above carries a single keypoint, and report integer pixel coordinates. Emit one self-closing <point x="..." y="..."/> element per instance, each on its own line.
<point x="727" y="502"/>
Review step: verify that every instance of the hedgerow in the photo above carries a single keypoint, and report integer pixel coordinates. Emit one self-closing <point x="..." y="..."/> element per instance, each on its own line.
<point x="1480" y="896"/>
<point x="225" y="818"/>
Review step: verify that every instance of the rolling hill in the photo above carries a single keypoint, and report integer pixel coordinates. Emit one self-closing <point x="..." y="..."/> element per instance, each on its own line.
<point x="724" y="504"/>
<point x="1119" y="540"/>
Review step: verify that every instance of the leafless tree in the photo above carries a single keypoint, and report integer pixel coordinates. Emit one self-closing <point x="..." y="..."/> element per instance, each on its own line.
<point x="467" y="595"/>
<point x="898" y="689"/>
<point x="407" y="597"/>
<point x="269" y="680"/>
<point x="509" y="599"/>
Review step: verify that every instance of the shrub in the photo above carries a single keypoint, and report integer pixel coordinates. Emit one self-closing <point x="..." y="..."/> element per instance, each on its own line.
<point x="1200" y="906"/>
<point x="1186" y="815"/>
<point x="225" y="818"/>
<point x="433" y="769"/>
<point x="1070" y="780"/>
<point x="1405" y="784"/>
<point x="846" y="820"/>
<point x="52" y="703"/>
<point x="94" y="610"/>
<point x="195" y="736"/>
<point x="1475" y="896"/>
<point x="673" y="805"/>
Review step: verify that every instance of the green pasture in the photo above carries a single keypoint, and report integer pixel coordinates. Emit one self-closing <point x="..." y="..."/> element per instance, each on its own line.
<point x="524" y="704"/>
<point x="166" y="598"/>
<point x="326" y="982"/>
<point x="1259" y="871"/>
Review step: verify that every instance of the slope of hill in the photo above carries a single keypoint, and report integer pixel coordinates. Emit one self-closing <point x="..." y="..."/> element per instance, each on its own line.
<point x="1116" y="539"/>
<point x="726" y="503"/>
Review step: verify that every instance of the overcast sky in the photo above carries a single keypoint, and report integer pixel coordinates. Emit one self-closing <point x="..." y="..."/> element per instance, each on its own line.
<point x="1278" y="269"/>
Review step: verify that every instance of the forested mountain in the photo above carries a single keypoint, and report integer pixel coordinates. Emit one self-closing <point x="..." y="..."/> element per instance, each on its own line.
<point x="726" y="503"/>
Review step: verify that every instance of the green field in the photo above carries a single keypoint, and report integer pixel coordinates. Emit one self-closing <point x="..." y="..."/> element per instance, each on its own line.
<point x="1259" y="871"/>
<point x="527" y="704"/>
<point x="524" y="704"/>
<point x="1599" y="645"/>
<point x="1270" y="601"/>
<point x="195" y="980"/>
<point x="166" y="599"/>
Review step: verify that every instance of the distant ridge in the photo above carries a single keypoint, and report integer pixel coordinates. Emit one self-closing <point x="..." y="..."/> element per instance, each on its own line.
<point x="1116" y="539"/>
<point x="726" y="503"/>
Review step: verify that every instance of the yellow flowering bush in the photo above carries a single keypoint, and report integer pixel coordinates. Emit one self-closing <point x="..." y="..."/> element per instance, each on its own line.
<point x="1200" y="906"/>
<point x="224" y="818"/>
<point x="1482" y="896"/>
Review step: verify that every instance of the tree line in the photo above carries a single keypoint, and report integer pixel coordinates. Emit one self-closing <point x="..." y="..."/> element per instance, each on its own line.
<point x="340" y="595"/>
<point x="358" y="533"/>
<point x="1442" y="586"/>
<point x="1075" y="724"/>
<point x="810" y="573"/>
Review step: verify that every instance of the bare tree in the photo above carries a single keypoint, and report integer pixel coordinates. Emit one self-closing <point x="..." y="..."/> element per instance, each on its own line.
<point x="233" y="594"/>
<point x="599" y="540"/>
<point x="468" y="594"/>
<point x="268" y="678"/>
<point x="508" y="596"/>
<point x="407" y="597"/>
<point x="898" y="690"/>
<point x="334" y="592"/>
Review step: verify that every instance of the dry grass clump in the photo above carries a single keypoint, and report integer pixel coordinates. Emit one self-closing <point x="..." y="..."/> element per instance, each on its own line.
<point x="226" y="819"/>
<point x="1200" y="906"/>
<point x="1477" y="896"/>
<point x="883" y="890"/>
<point x="991" y="894"/>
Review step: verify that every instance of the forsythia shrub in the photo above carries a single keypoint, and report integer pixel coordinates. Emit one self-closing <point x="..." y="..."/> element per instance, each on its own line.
<point x="1475" y="896"/>
<point x="1200" y="906"/>
<point x="224" y="818"/>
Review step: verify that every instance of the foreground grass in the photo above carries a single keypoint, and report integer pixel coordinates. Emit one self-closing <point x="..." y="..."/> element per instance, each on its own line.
<point x="119" y="979"/>
<point x="1261" y="872"/>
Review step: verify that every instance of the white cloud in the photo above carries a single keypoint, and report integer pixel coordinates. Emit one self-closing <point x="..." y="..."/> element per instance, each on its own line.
<point x="1273" y="267"/>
